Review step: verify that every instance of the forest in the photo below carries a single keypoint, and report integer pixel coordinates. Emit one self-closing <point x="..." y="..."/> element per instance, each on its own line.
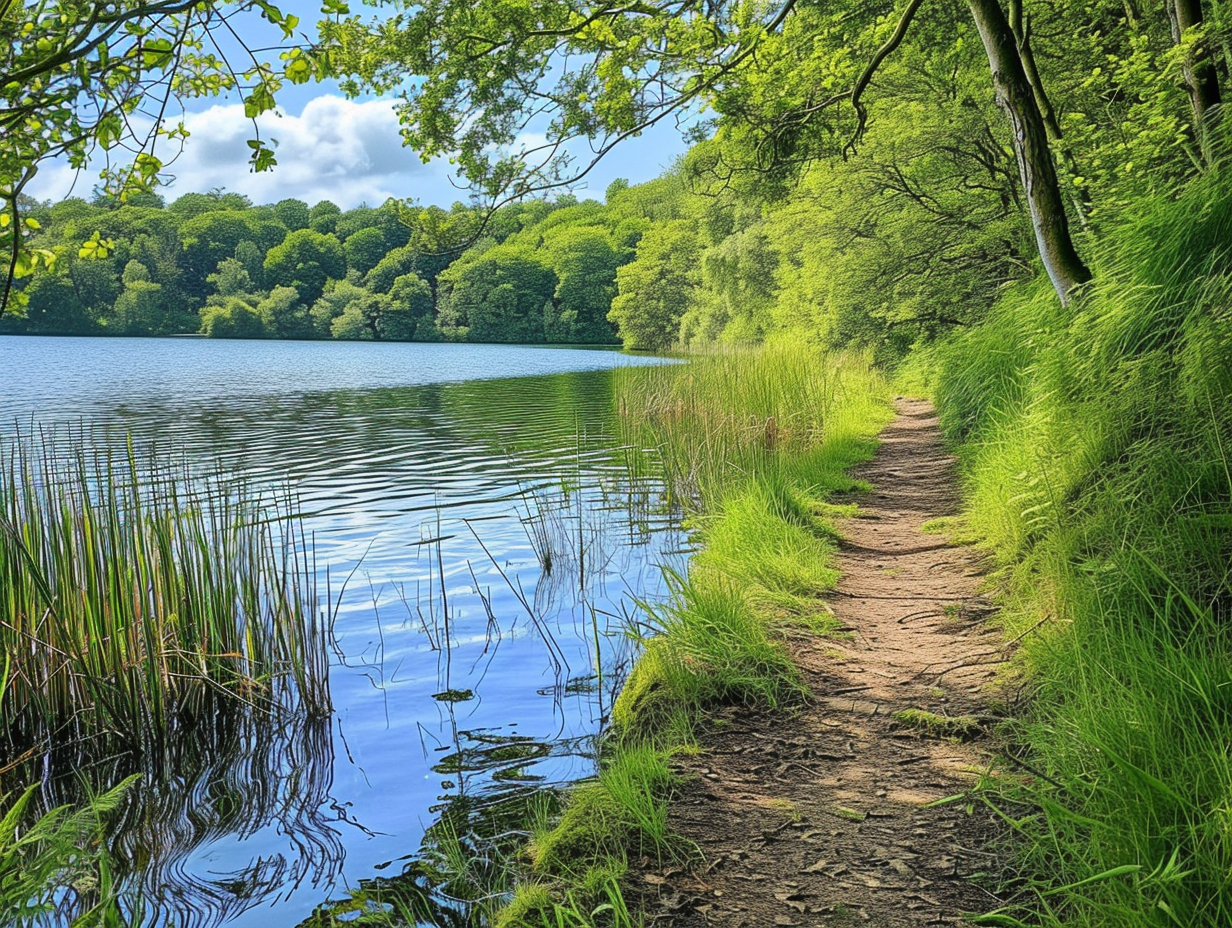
<point x="780" y="221"/>
<point x="1020" y="209"/>
<point x="215" y="264"/>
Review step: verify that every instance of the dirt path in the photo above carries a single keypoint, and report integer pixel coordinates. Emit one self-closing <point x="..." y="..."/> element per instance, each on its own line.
<point x="821" y="817"/>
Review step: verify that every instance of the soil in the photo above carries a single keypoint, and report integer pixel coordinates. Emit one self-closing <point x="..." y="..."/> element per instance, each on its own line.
<point x="834" y="814"/>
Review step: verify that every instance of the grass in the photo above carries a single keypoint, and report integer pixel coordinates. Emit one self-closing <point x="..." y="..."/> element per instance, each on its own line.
<point x="136" y="602"/>
<point x="1097" y="448"/>
<point x="938" y="726"/>
<point x="753" y="442"/>
<point x="131" y="594"/>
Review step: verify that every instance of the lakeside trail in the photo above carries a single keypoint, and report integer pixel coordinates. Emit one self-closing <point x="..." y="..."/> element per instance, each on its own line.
<point x="820" y="816"/>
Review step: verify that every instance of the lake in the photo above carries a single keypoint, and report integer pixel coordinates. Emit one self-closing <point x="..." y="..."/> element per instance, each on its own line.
<point x="436" y="481"/>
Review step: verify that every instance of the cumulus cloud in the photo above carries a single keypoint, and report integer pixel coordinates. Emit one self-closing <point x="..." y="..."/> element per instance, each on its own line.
<point x="336" y="149"/>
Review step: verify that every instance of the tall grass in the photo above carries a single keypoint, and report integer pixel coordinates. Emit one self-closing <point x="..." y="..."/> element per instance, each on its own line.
<point x="1098" y="452"/>
<point x="132" y="595"/>
<point x="733" y="415"/>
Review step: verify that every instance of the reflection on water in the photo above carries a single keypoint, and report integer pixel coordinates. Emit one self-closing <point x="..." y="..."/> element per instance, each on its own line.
<point x="479" y="542"/>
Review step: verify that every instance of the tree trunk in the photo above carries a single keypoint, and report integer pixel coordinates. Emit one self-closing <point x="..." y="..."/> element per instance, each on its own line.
<point x="1201" y="80"/>
<point x="1016" y="97"/>
<point x="1080" y="194"/>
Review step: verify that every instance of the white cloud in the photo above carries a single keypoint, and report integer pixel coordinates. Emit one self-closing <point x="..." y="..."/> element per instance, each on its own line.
<point x="336" y="149"/>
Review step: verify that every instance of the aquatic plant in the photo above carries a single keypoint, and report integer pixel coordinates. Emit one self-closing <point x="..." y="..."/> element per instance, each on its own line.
<point x="134" y="596"/>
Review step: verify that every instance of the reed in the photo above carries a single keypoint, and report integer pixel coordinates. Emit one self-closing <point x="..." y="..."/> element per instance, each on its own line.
<point x="738" y="414"/>
<point x="133" y="595"/>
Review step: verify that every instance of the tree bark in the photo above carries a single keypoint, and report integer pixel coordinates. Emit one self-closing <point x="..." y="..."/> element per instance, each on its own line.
<point x="1080" y="195"/>
<point x="1016" y="97"/>
<point x="1201" y="80"/>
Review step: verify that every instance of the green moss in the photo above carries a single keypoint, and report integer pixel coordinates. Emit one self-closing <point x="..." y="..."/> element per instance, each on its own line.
<point x="939" y="726"/>
<point x="622" y="813"/>
<point x="530" y="907"/>
<point x="650" y="693"/>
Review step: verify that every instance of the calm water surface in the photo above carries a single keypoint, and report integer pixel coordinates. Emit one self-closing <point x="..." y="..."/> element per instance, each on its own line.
<point x="424" y="472"/>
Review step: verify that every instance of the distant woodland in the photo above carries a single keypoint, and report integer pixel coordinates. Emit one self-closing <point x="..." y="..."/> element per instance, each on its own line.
<point x="215" y="263"/>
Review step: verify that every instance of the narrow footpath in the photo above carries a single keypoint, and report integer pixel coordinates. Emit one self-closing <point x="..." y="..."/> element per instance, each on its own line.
<point x="822" y="816"/>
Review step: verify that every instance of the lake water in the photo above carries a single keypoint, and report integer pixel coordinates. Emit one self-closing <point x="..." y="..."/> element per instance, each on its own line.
<point x="465" y="674"/>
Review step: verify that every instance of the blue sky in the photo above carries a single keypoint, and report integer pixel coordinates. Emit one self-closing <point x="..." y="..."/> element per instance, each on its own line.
<point x="331" y="148"/>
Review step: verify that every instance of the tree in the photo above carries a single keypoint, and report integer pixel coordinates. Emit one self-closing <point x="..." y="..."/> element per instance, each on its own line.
<point x="333" y="303"/>
<point x="1017" y="98"/>
<point x="362" y="319"/>
<point x="409" y="315"/>
<point x="73" y="74"/>
<point x="139" y="308"/>
<point x="498" y="296"/>
<point x="191" y="205"/>
<point x="52" y="309"/>
<point x="252" y="256"/>
<point x="294" y="214"/>
<point x="231" y="278"/>
<point x="305" y="260"/>
<point x="233" y="318"/>
<point x="738" y="277"/>
<point x="400" y="261"/>
<point x="283" y="315"/>
<point x="585" y="264"/>
<point x="211" y="237"/>
<point x="657" y="288"/>
<point x="364" y="250"/>
<point x="1199" y="74"/>
<point x="324" y="217"/>
<point x="485" y="69"/>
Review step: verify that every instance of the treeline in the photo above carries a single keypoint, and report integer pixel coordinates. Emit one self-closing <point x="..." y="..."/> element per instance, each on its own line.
<point x="216" y="264"/>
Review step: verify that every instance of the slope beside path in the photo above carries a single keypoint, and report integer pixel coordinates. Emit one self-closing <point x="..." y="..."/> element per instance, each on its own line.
<point x="832" y="815"/>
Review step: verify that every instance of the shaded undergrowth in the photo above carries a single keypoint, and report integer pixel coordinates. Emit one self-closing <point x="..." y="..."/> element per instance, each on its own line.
<point x="753" y="442"/>
<point x="1097" y="448"/>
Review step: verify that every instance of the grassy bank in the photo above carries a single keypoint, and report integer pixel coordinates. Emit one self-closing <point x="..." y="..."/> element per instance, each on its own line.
<point x="753" y="443"/>
<point x="1097" y="448"/>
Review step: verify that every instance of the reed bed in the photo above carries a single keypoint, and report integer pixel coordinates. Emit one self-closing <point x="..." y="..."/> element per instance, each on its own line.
<point x="737" y="414"/>
<point x="133" y="595"/>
